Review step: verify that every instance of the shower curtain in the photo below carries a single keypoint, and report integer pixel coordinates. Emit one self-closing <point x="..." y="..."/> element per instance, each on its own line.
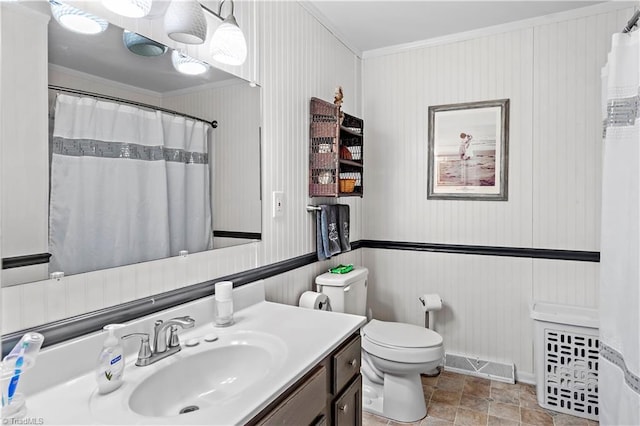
<point x="619" y="363"/>
<point x="127" y="185"/>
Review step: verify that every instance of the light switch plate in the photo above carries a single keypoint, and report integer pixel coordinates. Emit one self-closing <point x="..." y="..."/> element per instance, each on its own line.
<point x="278" y="203"/>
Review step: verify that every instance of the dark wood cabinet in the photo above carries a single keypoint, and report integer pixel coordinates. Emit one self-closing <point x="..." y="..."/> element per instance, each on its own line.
<point x="330" y="394"/>
<point x="336" y="142"/>
<point x="347" y="408"/>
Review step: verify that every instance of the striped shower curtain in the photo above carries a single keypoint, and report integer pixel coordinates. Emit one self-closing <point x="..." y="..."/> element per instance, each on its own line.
<point x="619" y="364"/>
<point x="127" y="185"/>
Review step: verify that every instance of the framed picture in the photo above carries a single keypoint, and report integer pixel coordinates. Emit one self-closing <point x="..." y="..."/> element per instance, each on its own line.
<point x="468" y="151"/>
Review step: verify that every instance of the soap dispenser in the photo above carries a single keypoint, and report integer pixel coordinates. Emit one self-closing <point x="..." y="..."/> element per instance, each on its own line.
<point x="110" y="362"/>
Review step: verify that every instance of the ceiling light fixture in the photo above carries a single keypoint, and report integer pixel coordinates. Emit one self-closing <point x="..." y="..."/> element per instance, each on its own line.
<point x="141" y="45"/>
<point x="129" y="8"/>
<point x="77" y="20"/>
<point x="228" y="45"/>
<point x="185" y="22"/>
<point x="187" y="65"/>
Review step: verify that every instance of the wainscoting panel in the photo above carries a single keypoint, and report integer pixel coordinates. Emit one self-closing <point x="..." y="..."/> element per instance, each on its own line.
<point x="569" y="283"/>
<point x="288" y="287"/>
<point x="486" y="300"/>
<point x="45" y="301"/>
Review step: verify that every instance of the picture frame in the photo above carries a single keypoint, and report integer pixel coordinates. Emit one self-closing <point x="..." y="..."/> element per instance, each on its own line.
<point x="468" y="151"/>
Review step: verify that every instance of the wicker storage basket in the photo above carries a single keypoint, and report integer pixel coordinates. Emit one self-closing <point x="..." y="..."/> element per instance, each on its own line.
<point x="347" y="185"/>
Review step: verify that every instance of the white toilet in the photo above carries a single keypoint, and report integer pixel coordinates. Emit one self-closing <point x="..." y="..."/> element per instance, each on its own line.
<point x="393" y="353"/>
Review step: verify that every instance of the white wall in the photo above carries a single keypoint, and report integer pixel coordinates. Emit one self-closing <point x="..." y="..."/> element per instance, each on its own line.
<point x="23" y="136"/>
<point x="551" y="73"/>
<point x="300" y="59"/>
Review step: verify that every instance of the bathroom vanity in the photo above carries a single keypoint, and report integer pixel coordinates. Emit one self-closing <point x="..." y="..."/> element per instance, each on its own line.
<point x="277" y="363"/>
<point x="330" y="394"/>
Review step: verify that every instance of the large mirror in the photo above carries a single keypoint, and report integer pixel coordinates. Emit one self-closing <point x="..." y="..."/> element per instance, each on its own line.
<point x="81" y="65"/>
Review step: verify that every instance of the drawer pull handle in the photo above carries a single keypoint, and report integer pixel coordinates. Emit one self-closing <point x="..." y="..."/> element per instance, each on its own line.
<point x="353" y="362"/>
<point x="344" y="408"/>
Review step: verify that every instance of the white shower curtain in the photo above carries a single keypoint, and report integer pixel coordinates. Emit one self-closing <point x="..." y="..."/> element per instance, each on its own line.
<point x="127" y="185"/>
<point x="619" y="363"/>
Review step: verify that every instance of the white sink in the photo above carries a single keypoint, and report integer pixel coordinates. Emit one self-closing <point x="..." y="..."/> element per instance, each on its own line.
<point x="231" y="380"/>
<point x="208" y="378"/>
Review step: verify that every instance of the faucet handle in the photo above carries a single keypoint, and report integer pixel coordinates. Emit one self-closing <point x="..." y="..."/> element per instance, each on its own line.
<point x="186" y="319"/>
<point x="174" y="340"/>
<point x="145" y="349"/>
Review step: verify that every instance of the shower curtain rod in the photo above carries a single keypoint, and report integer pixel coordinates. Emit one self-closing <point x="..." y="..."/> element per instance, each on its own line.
<point x="213" y="123"/>
<point x="632" y="22"/>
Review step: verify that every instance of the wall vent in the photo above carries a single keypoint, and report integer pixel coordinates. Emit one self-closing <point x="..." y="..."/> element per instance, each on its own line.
<point x="480" y="368"/>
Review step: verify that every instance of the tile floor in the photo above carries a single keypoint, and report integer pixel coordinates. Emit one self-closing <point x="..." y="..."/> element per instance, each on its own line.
<point x="457" y="399"/>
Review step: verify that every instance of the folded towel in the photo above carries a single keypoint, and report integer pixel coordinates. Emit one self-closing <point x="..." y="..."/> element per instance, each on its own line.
<point x="319" y="243"/>
<point x="343" y="224"/>
<point x="329" y="230"/>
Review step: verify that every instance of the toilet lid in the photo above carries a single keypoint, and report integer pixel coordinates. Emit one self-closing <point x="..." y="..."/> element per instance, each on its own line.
<point x="401" y="335"/>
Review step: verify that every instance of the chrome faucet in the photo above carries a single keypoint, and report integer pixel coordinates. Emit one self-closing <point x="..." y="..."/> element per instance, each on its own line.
<point x="161" y="342"/>
<point x="163" y="345"/>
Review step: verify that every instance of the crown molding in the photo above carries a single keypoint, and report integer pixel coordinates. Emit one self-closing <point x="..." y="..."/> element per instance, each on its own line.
<point x="213" y="85"/>
<point x="105" y="81"/>
<point x="502" y="28"/>
<point x="325" y="22"/>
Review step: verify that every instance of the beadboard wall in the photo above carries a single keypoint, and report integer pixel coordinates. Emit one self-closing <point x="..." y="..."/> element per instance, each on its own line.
<point x="22" y="156"/>
<point x="551" y="74"/>
<point x="300" y="59"/>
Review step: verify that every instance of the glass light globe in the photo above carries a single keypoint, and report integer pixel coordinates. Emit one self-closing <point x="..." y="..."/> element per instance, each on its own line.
<point x="77" y="20"/>
<point x="184" y="22"/>
<point x="141" y="45"/>
<point x="228" y="45"/>
<point x="186" y="64"/>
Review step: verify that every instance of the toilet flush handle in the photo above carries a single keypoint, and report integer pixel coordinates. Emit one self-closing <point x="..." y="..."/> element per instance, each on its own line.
<point x="347" y="288"/>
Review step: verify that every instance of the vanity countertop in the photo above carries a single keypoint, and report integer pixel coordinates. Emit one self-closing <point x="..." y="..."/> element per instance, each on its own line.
<point x="304" y="337"/>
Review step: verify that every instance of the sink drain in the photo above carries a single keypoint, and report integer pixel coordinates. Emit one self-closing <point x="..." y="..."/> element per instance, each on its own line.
<point x="189" y="409"/>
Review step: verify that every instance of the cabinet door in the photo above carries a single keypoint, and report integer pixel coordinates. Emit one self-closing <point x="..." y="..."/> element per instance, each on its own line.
<point x="347" y="408"/>
<point x="304" y="406"/>
<point x="346" y="364"/>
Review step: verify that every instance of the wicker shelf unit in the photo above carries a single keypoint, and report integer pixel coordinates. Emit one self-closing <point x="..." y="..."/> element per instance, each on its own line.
<point x="335" y="152"/>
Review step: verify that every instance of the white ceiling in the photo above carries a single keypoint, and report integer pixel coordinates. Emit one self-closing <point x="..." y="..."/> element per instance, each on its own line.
<point x="365" y="25"/>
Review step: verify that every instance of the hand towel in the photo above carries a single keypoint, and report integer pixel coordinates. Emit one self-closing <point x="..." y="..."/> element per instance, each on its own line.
<point x="330" y="234"/>
<point x="343" y="224"/>
<point x="319" y="243"/>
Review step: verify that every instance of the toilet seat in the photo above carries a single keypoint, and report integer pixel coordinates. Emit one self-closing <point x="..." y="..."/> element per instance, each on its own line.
<point x="405" y="343"/>
<point x="397" y="334"/>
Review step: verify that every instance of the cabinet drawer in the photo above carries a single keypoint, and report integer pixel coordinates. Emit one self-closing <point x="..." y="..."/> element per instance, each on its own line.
<point x="304" y="405"/>
<point x="347" y="409"/>
<point x="346" y="364"/>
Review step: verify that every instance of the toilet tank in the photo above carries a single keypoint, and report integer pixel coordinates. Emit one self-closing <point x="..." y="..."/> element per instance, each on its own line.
<point x="347" y="292"/>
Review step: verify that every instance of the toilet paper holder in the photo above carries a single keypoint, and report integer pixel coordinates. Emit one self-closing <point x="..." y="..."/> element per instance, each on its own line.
<point x="430" y="302"/>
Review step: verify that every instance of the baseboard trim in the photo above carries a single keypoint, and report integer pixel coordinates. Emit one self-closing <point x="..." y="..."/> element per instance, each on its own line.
<point x="524" y="377"/>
